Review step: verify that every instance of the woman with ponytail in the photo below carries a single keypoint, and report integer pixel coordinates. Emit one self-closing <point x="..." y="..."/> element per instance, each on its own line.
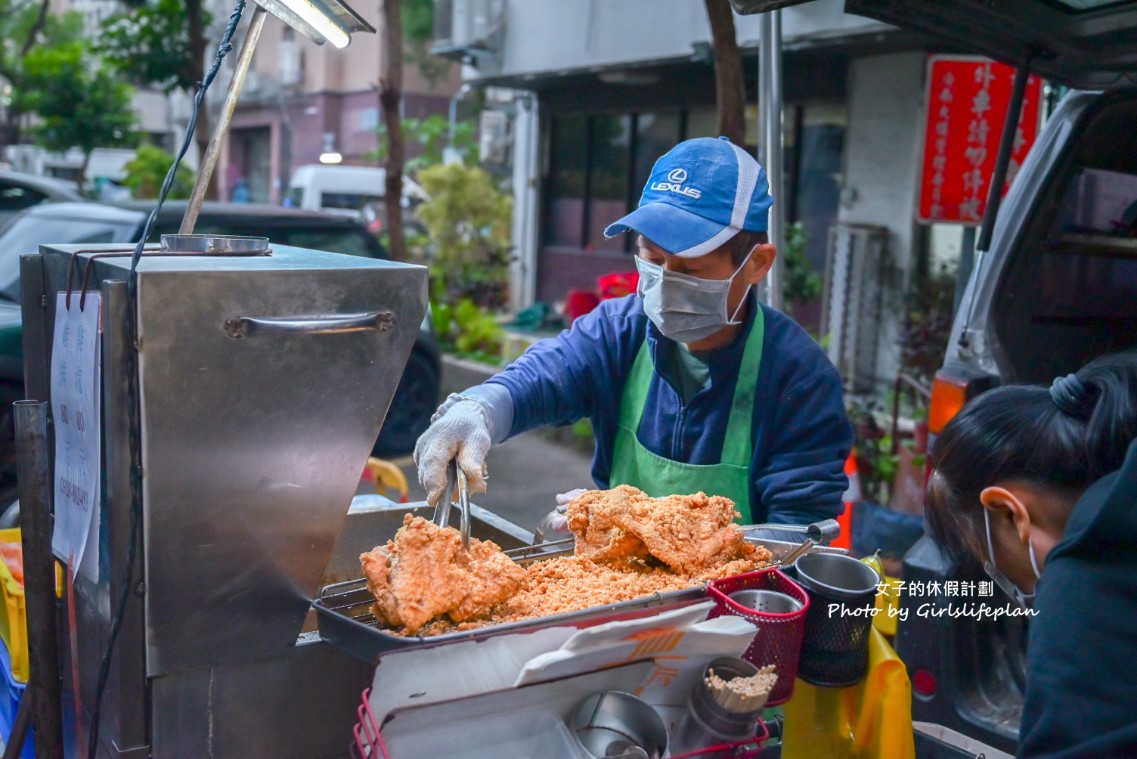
<point x="1040" y="486"/>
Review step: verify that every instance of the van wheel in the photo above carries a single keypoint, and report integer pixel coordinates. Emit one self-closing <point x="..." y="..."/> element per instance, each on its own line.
<point x="414" y="402"/>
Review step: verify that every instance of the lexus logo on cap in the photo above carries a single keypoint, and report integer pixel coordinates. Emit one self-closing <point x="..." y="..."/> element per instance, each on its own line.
<point x="674" y="183"/>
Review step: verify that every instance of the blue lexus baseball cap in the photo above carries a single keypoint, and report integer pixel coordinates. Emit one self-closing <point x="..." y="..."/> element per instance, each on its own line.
<point x="700" y="194"/>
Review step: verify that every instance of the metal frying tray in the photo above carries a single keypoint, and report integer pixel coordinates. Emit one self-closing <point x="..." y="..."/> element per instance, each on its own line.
<point x="343" y="609"/>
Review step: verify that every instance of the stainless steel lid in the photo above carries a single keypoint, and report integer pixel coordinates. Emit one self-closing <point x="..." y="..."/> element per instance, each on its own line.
<point x="215" y="245"/>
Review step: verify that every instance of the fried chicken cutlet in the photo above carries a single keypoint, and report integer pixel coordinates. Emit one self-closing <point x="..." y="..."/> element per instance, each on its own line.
<point x="424" y="573"/>
<point x="690" y="534"/>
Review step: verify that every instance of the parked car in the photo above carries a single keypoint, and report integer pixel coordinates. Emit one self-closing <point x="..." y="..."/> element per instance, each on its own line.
<point x="68" y="223"/>
<point x="20" y="191"/>
<point x="1056" y="287"/>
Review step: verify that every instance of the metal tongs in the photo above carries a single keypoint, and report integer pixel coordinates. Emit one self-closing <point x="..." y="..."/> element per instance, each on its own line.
<point x="816" y="533"/>
<point x="455" y="477"/>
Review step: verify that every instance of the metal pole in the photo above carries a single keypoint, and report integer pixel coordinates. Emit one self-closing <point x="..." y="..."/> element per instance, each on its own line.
<point x="966" y="264"/>
<point x="995" y="191"/>
<point x="33" y="458"/>
<point x="213" y="151"/>
<point x="770" y="142"/>
<point x="1003" y="158"/>
<point x="20" y="726"/>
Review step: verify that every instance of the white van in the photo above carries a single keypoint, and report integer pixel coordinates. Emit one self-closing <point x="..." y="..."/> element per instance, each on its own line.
<point x="345" y="190"/>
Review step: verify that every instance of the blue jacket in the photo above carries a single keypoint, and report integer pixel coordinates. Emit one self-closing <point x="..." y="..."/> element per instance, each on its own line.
<point x="801" y="434"/>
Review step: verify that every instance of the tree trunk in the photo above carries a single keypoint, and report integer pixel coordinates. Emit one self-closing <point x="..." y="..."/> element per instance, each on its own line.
<point x="197" y="63"/>
<point x="729" y="87"/>
<point x="82" y="178"/>
<point x="37" y="27"/>
<point x="390" y="96"/>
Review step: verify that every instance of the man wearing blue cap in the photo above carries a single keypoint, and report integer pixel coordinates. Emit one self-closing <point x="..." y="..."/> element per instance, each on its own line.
<point x="691" y="384"/>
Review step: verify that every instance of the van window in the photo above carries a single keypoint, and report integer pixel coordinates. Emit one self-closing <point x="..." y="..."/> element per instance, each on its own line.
<point x="295" y="197"/>
<point x="349" y="200"/>
<point x="1070" y="291"/>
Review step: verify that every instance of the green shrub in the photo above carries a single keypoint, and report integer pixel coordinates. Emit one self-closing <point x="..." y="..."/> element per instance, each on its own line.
<point x="478" y="333"/>
<point x="468" y="226"/>
<point x="146" y="172"/>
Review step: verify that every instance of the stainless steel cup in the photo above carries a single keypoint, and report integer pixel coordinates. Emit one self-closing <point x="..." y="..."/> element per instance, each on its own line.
<point x="615" y="724"/>
<point x="842" y="596"/>
<point x="768" y="601"/>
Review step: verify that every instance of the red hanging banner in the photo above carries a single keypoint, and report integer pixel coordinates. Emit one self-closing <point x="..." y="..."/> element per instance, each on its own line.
<point x="966" y="108"/>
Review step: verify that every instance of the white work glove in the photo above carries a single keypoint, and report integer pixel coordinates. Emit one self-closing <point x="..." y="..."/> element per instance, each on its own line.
<point x="555" y="523"/>
<point x="459" y="428"/>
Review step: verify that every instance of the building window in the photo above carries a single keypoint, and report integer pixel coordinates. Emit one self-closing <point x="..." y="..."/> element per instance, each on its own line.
<point x="656" y="133"/>
<point x="597" y="167"/>
<point x="568" y="164"/>
<point x="814" y="153"/>
<point x="599" y="164"/>
<point x="369" y="119"/>
<point x="609" y="161"/>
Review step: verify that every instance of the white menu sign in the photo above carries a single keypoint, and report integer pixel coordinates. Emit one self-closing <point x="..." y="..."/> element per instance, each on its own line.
<point x="75" y="408"/>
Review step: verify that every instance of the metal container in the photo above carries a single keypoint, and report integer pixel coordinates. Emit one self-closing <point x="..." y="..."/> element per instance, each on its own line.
<point x="617" y="724"/>
<point x="766" y="601"/>
<point x="263" y="381"/>
<point x="709" y="723"/>
<point x="839" y="576"/>
<point x="842" y="592"/>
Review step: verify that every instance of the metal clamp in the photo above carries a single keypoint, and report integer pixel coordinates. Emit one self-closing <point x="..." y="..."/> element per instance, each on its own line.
<point x="822" y="532"/>
<point x="247" y="326"/>
<point x="455" y="477"/>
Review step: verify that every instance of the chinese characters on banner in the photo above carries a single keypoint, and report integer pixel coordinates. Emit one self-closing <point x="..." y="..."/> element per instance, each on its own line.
<point x="967" y="106"/>
<point x="75" y="408"/>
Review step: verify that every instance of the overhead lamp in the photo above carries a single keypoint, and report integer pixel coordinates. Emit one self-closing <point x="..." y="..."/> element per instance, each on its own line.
<point x="320" y="21"/>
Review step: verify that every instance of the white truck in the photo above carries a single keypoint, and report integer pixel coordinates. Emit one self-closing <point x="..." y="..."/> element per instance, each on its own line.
<point x="351" y="191"/>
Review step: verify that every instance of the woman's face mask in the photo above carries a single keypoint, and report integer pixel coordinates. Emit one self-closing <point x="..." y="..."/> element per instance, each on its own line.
<point x="1024" y="600"/>
<point x="686" y="309"/>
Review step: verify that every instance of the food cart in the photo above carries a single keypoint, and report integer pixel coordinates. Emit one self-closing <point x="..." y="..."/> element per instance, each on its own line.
<point x="262" y="379"/>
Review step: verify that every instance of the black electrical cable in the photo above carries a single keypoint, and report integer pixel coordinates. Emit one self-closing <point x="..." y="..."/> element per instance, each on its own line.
<point x="133" y="401"/>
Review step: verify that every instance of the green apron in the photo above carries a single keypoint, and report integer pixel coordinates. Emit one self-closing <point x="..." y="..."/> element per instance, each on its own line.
<point x="632" y="464"/>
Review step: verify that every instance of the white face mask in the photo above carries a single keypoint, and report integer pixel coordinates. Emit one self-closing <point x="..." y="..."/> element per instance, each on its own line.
<point x="1024" y="600"/>
<point x="686" y="309"/>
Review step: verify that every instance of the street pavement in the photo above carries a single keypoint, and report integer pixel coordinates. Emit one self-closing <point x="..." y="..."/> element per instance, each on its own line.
<point x="526" y="474"/>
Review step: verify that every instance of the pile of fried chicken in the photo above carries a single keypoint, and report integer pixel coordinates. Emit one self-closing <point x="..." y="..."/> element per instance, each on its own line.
<point x="628" y="545"/>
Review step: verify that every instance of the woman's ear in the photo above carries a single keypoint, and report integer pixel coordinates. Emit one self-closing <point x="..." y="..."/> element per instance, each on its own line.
<point x="1009" y="502"/>
<point x="758" y="265"/>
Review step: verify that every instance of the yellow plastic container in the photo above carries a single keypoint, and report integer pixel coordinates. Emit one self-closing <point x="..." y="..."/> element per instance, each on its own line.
<point x="13" y="619"/>
<point x="888" y="607"/>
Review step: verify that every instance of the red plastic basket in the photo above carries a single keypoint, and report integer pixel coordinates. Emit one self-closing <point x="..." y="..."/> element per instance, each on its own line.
<point x="778" y="641"/>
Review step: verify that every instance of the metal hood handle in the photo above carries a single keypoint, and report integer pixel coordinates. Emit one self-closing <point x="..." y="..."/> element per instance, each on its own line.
<point x="247" y="326"/>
